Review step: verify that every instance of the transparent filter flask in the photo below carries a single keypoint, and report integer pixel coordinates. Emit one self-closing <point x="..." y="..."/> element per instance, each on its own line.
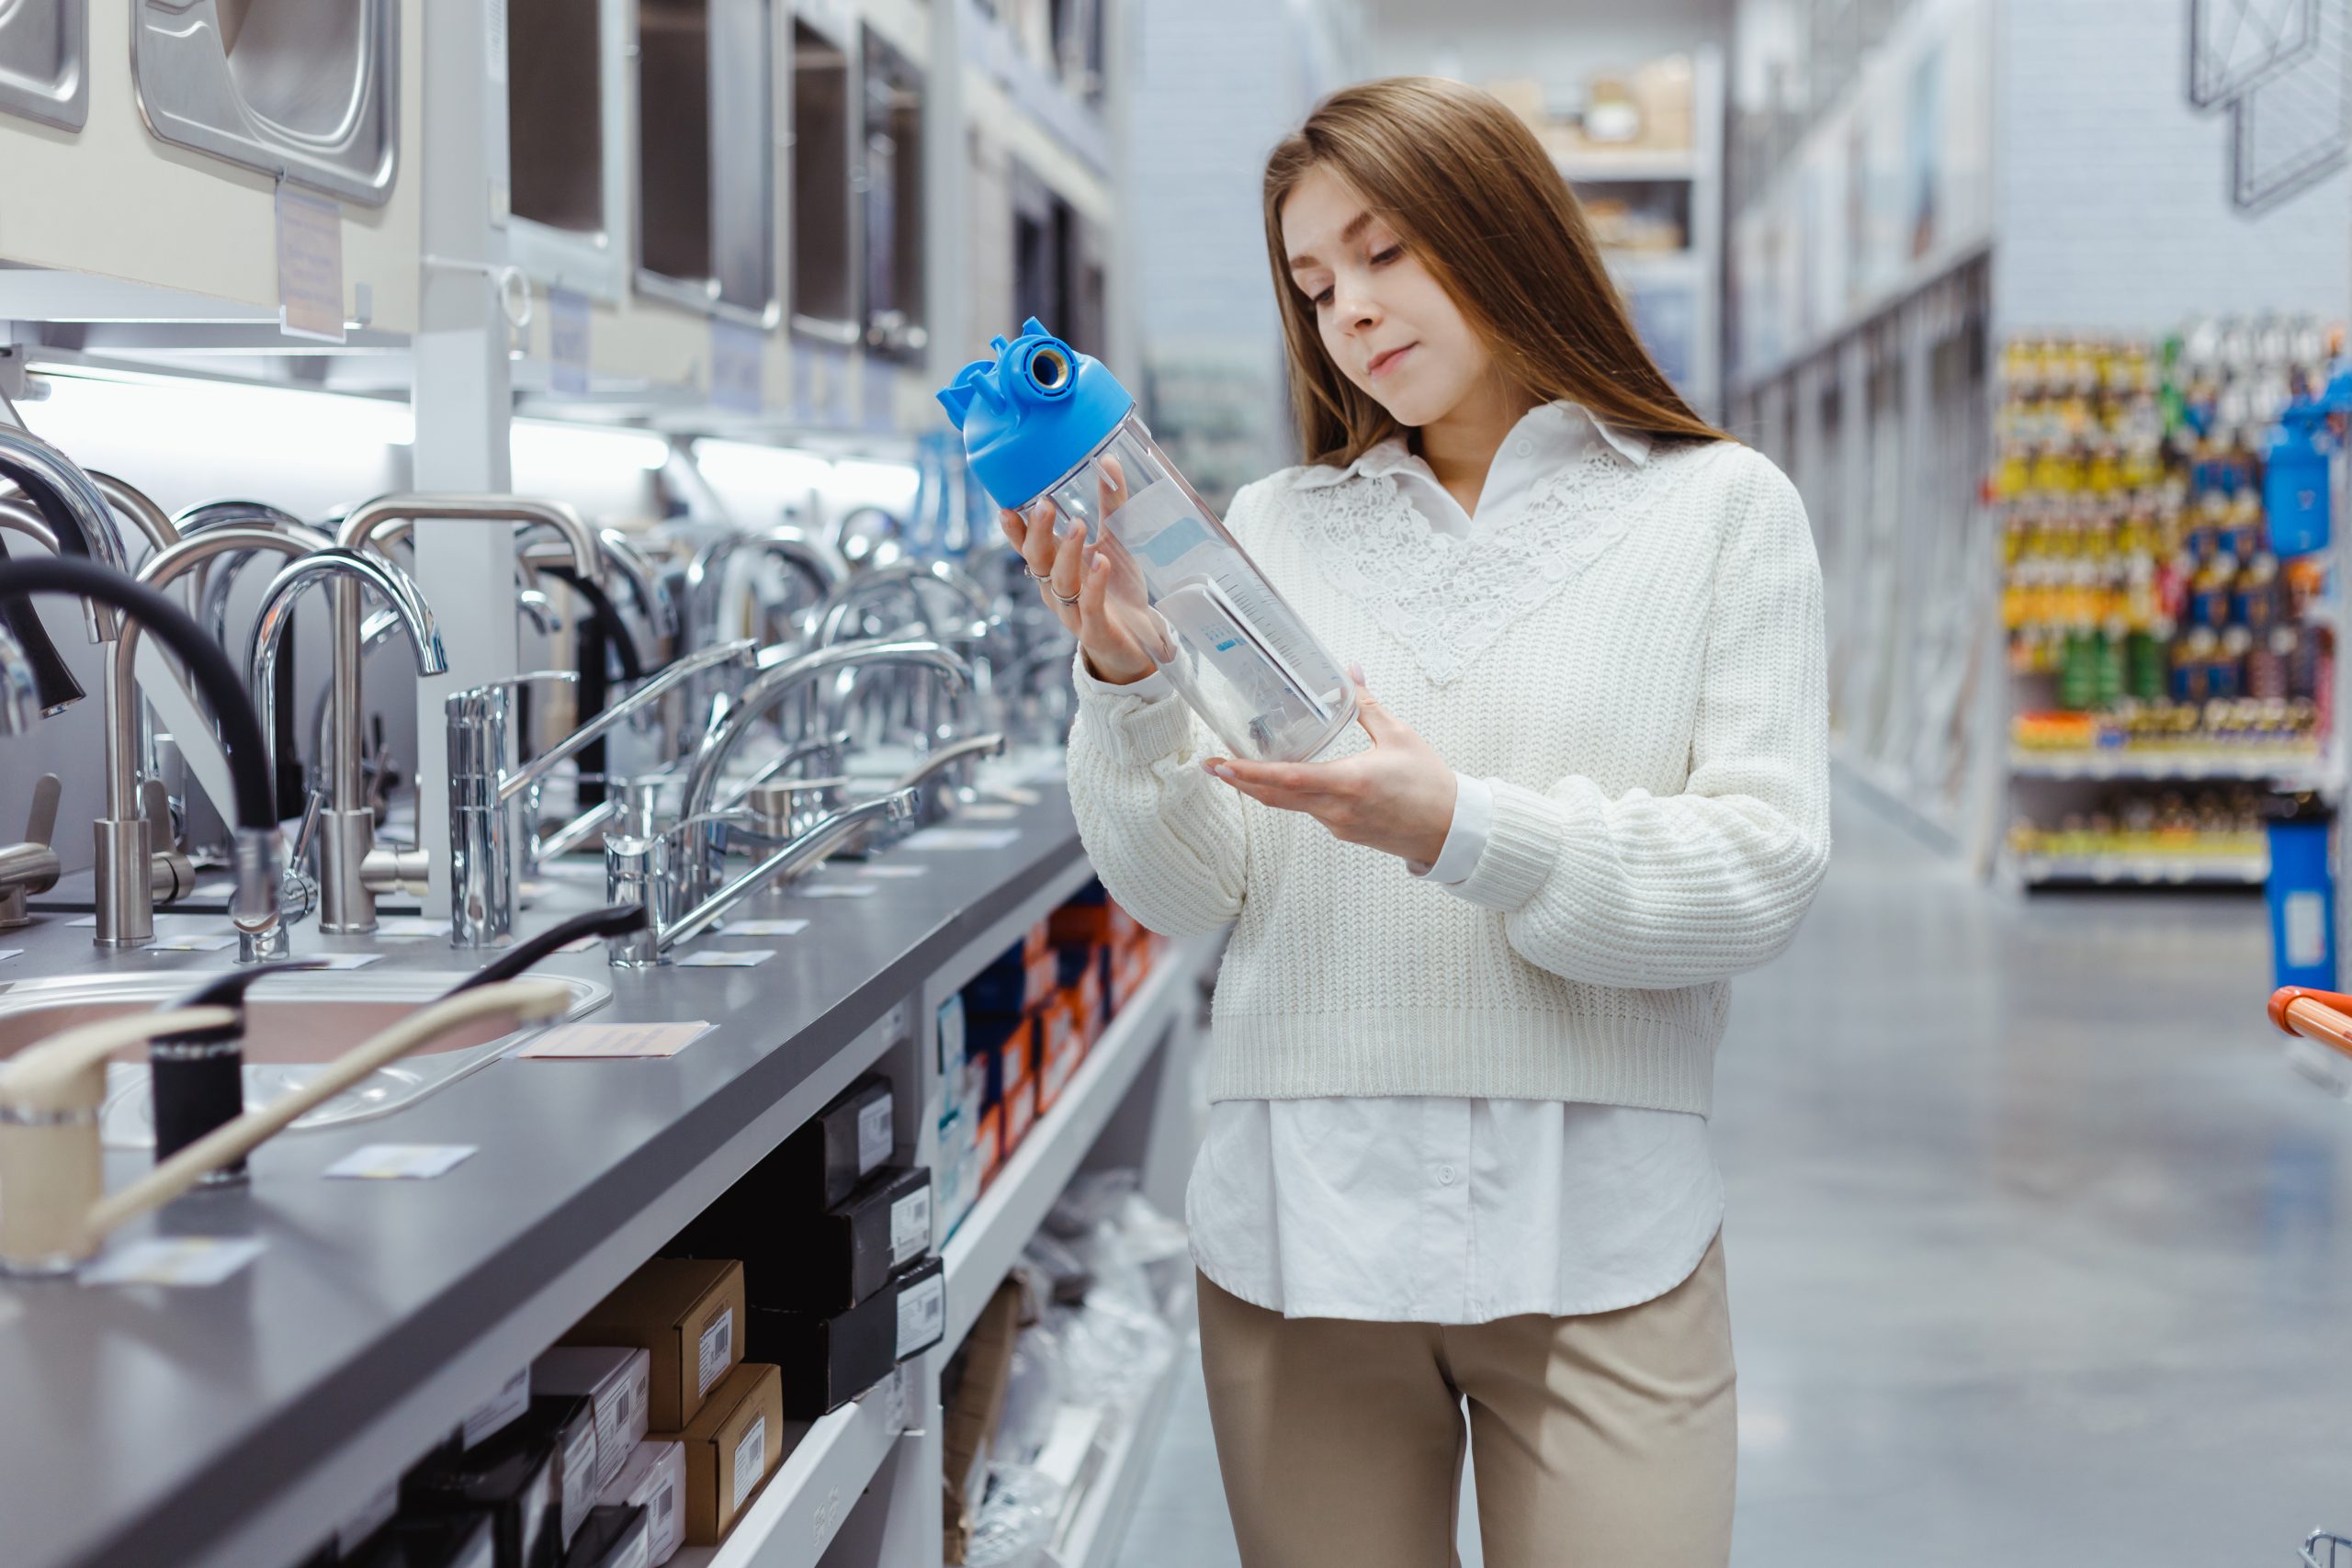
<point x="1050" y="433"/>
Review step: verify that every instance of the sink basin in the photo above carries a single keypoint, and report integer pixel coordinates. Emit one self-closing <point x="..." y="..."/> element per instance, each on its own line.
<point x="43" y="48"/>
<point x="294" y="1024"/>
<point x="295" y="89"/>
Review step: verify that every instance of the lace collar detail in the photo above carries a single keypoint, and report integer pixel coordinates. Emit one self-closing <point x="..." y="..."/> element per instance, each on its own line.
<point x="1447" y="599"/>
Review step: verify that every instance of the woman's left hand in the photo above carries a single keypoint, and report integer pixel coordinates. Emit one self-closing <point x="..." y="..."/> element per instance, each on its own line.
<point x="1397" y="797"/>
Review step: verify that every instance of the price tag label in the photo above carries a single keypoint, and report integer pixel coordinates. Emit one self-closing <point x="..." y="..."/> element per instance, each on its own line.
<point x="728" y="958"/>
<point x="838" y="890"/>
<point x="192" y="1260"/>
<point x="590" y="1039"/>
<point x="568" y="341"/>
<point x="738" y="356"/>
<point x="400" y="1162"/>
<point x="762" y="928"/>
<point x="310" y="265"/>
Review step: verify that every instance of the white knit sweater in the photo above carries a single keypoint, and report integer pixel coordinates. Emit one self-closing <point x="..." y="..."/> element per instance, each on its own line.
<point x="1635" y="663"/>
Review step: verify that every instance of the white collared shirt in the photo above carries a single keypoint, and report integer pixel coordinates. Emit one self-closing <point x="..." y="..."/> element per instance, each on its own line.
<point x="1429" y="1209"/>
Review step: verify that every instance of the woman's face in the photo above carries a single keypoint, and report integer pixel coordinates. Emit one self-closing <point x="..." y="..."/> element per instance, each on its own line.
<point x="1386" y="321"/>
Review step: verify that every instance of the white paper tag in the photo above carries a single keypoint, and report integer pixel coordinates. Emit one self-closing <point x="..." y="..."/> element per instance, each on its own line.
<point x="8" y="952"/>
<point x="728" y="958"/>
<point x="573" y="1042"/>
<point x="963" y="839"/>
<point x="172" y="1261"/>
<point x="213" y="943"/>
<point x="403" y="926"/>
<point x="750" y="1461"/>
<point x="900" y="872"/>
<point x="910" y="1228"/>
<point x="986" y="812"/>
<point x="568" y="341"/>
<point x="763" y="928"/>
<point x="738" y="366"/>
<point x="2306" y="922"/>
<point x="400" y="1162"/>
<point x="838" y="890"/>
<point x="923" y="1314"/>
<point x="873" y="1142"/>
<point x="715" y="1352"/>
<point x="342" y="960"/>
<point x="310" y="265"/>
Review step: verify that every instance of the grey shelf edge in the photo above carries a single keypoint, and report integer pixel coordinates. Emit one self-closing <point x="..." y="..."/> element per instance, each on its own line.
<point x="267" y="1495"/>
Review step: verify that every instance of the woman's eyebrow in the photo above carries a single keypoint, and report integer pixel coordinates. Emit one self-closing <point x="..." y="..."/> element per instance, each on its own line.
<point x="1354" y="226"/>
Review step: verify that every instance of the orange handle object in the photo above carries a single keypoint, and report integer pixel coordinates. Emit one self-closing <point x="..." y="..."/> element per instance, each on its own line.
<point x="2323" y="1016"/>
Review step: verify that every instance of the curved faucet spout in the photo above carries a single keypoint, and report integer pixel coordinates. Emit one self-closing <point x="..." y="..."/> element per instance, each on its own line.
<point x="75" y="508"/>
<point x="390" y="583"/>
<point x="913" y="576"/>
<point x="215" y="579"/>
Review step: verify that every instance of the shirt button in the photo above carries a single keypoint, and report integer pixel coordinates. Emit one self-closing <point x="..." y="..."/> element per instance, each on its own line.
<point x="1524" y="446"/>
<point x="1445" y="1175"/>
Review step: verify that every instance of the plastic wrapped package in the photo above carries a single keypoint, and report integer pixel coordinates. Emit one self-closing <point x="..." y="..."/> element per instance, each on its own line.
<point x="1035" y="1389"/>
<point x="1113" y="1348"/>
<point x="1016" y="1521"/>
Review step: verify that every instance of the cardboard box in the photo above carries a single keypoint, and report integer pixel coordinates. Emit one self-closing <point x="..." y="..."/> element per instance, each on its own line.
<point x="839" y="1147"/>
<point x="1015" y="982"/>
<point x="1062" y="1046"/>
<point x="828" y="1361"/>
<point x="830" y="1261"/>
<point x="991" y="1144"/>
<point x="1019" y="1110"/>
<point x="686" y="1314"/>
<point x="955" y="1182"/>
<point x="1093" y="918"/>
<point x="617" y="1379"/>
<point x="491" y="1417"/>
<point x="654" y="1478"/>
<point x="568" y="1423"/>
<point x="733" y="1444"/>
<point x="977" y="1380"/>
<point x="1036" y="940"/>
<point x="512" y="1478"/>
<point x="612" y="1537"/>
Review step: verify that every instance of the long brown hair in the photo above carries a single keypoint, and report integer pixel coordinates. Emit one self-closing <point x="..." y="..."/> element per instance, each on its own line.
<point x="1477" y="200"/>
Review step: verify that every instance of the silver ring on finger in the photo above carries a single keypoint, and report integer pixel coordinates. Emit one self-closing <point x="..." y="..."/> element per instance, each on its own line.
<point x="1037" y="576"/>
<point x="1070" y="600"/>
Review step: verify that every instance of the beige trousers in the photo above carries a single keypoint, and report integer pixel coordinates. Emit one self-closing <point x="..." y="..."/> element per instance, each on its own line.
<point x="1608" y="1440"/>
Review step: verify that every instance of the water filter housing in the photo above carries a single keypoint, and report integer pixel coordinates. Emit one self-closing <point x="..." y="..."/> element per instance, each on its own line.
<point x="1046" y="425"/>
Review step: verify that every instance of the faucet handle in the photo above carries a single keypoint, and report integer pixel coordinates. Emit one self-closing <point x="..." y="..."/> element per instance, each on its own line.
<point x="40" y="823"/>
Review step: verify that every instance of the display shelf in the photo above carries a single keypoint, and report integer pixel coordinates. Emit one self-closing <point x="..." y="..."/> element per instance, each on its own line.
<point x="987" y="1244"/>
<point x="1104" y="1514"/>
<point x="2295" y="767"/>
<point x="794" y="1516"/>
<point x="1024" y="92"/>
<point x="2145" y="871"/>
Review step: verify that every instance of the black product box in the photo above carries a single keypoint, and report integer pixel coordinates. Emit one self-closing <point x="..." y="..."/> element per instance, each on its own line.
<point x="823" y="1162"/>
<point x="822" y="1262"/>
<point x="456" y="1539"/>
<point x="828" y="1361"/>
<point x="984" y="1038"/>
<point x="611" y="1538"/>
<point x="512" y="1478"/>
<point x="568" y="1423"/>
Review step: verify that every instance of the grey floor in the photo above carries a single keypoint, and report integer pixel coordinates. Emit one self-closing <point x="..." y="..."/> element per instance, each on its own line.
<point x="2041" y="1254"/>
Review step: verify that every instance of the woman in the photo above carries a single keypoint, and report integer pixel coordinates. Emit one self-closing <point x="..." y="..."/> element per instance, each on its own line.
<point x="1465" y="1029"/>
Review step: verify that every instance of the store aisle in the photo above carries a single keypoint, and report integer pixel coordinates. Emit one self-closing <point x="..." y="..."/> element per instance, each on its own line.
<point x="2039" y="1253"/>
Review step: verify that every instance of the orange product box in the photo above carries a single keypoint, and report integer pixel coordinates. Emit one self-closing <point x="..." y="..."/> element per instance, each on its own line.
<point x="1094" y="925"/>
<point x="1037" y="940"/>
<point x="1086" y="1000"/>
<point x="991" y="1137"/>
<point x="1061" y="1045"/>
<point x="1020" y="1114"/>
<point x="1016" y="1058"/>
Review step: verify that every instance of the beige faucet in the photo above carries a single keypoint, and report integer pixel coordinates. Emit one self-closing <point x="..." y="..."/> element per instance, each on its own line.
<point x="53" y="1207"/>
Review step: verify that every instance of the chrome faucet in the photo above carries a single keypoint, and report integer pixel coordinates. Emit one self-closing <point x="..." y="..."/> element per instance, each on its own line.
<point x="817" y="563"/>
<point x="482" y="835"/>
<point x="79" y="525"/>
<point x="348" y="863"/>
<point x="834" y="626"/>
<point x="398" y="590"/>
<point x="19" y="690"/>
<point x="703" y="856"/>
<point x="645" y="870"/>
<point x="30" y="865"/>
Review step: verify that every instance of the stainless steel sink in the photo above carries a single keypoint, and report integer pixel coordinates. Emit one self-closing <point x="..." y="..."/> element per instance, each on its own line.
<point x="44" y="61"/>
<point x="297" y="88"/>
<point x="294" y="1022"/>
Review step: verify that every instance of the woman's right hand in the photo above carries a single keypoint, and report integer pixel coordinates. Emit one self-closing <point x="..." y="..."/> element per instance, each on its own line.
<point x="1086" y="589"/>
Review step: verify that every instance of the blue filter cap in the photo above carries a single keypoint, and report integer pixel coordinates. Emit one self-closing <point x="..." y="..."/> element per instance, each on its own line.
<point x="1032" y="412"/>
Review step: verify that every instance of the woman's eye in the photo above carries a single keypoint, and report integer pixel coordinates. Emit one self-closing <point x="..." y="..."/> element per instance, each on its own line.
<point x="1319" y="301"/>
<point x="1382" y="258"/>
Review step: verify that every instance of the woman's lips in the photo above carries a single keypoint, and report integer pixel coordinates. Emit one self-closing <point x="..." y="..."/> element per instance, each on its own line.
<point x="1381" y="364"/>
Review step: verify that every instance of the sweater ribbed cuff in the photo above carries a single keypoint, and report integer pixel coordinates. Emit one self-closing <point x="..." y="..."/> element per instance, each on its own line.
<point x="1137" y="728"/>
<point x="1522" y="845"/>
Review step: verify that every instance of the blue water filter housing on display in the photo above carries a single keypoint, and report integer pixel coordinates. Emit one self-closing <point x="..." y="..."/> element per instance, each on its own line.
<point x="2301" y="891"/>
<point x="1032" y="413"/>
